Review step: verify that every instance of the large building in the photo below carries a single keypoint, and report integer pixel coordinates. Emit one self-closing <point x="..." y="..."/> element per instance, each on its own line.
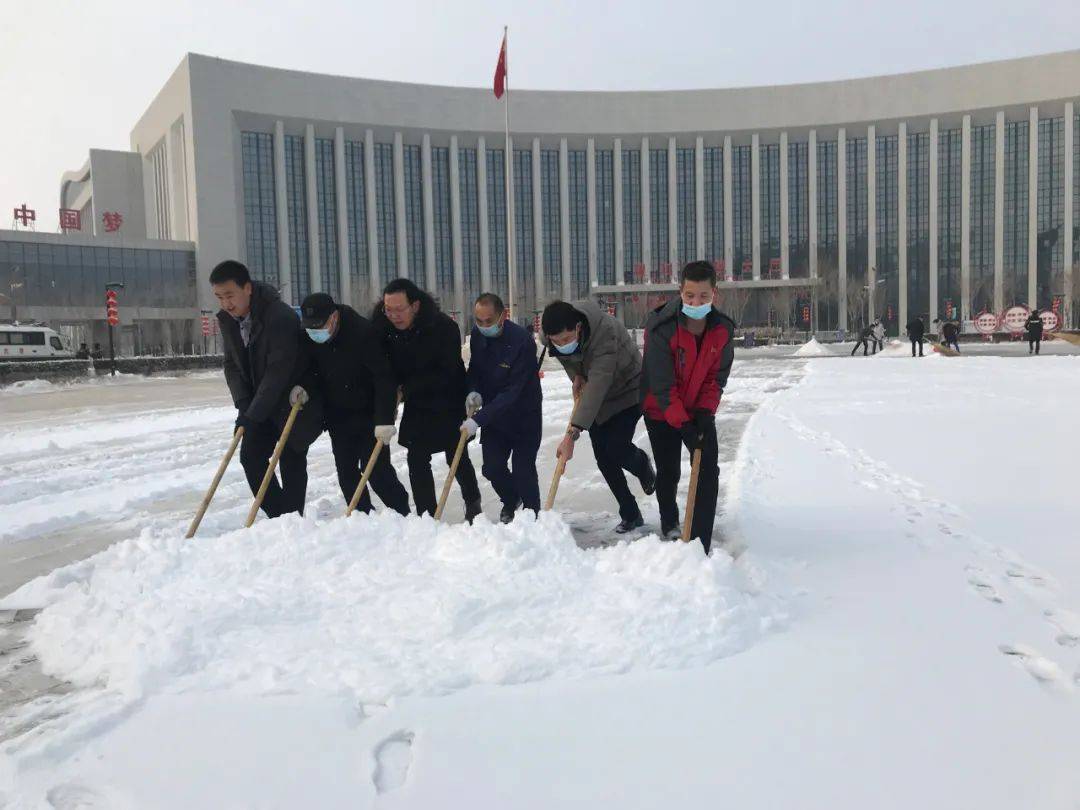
<point x="939" y="193"/>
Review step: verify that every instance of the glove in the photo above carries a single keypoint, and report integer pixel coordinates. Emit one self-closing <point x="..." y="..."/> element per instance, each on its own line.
<point x="298" y="394"/>
<point x="242" y="421"/>
<point x="703" y="420"/>
<point x="473" y="403"/>
<point x="470" y="426"/>
<point x="690" y="436"/>
<point x="384" y="433"/>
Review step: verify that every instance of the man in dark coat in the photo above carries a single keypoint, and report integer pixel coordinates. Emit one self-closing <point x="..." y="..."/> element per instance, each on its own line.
<point x="604" y="363"/>
<point x="424" y="347"/>
<point x="504" y="400"/>
<point x="349" y="368"/>
<point x="689" y="349"/>
<point x="264" y="363"/>
<point x="950" y="335"/>
<point x="916" y="330"/>
<point x="1034" y="327"/>
<point x="865" y="336"/>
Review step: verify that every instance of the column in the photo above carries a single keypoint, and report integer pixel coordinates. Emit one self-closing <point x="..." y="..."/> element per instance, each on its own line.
<point x="616" y="171"/>
<point x="811" y="207"/>
<point x="564" y="219"/>
<point x="999" y="212"/>
<point x="673" y="205"/>
<point x="699" y="197"/>
<point x="902" y="223"/>
<point x="539" y="281"/>
<point x="312" y="199"/>
<point x="430" y="279"/>
<point x="1067" y="221"/>
<point x="729" y="220"/>
<point x="933" y="220"/>
<point x="590" y="208"/>
<point x="871" y="223"/>
<point x="281" y="209"/>
<point x="785" y="248"/>
<point x="965" y="220"/>
<point x="374" y="276"/>
<point x="646" y="224"/>
<point x="755" y="203"/>
<point x="1033" y="205"/>
<point x="455" y="232"/>
<point x="399" y="209"/>
<point x="841" y="227"/>
<point x="482" y="214"/>
<point x="341" y="209"/>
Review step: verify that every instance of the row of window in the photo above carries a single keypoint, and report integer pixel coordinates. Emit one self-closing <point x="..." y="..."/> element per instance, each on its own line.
<point x="665" y="248"/>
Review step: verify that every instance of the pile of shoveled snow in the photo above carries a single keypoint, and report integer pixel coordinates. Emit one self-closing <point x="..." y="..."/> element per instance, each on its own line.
<point x="812" y="349"/>
<point x="378" y="606"/>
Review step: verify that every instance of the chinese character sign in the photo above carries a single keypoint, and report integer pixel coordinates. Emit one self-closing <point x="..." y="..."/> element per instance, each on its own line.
<point x="1050" y="320"/>
<point x="112" y="221"/>
<point x="70" y="220"/>
<point x="25" y="216"/>
<point x="986" y="323"/>
<point x="1014" y="319"/>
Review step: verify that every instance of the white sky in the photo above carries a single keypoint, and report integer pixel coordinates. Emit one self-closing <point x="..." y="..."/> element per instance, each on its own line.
<point x="76" y="75"/>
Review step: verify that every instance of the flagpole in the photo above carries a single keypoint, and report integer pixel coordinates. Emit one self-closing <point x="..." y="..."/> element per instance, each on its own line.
<point x="508" y="171"/>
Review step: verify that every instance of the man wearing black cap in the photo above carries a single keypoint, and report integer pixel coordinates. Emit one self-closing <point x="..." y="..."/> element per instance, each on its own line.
<point x="352" y="372"/>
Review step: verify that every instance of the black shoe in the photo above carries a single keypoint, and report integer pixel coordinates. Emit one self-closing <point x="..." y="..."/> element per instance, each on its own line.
<point x="668" y="533"/>
<point x="507" y="513"/>
<point x="629" y="525"/>
<point x="472" y="509"/>
<point x="648" y="480"/>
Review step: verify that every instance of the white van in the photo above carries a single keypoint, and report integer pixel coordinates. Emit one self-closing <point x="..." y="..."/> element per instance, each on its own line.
<point x="19" y="342"/>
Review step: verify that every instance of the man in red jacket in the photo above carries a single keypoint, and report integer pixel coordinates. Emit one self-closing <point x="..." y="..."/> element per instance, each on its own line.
<point x="688" y="353"/>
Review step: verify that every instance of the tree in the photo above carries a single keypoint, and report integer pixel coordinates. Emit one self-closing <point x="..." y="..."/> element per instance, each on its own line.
<point x="733" y="300"/>
<point x="856" y="305"/>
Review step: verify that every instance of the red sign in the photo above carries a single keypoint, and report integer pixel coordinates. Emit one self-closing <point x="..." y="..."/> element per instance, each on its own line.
<point x="1014" y="318"/>
<point x="1050" y="320"/>
<point x="986" y="323"/>
<point x="25" y="215"/>
<point x="639" y="273"/>
<point x="70" y="220"/>
<point x="112" y="220"/>
<point x="774" y="268"/>
<point x="747" y="267"/>
<point x="889" y="313"/>
<point x="536" y="324"/>
<point x="806" y="314"/>
<point x="112" y="311"/>
<point x="205" y="326"/>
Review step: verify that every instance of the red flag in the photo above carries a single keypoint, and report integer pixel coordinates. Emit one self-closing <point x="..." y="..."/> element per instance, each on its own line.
<point x="500" y="71"/>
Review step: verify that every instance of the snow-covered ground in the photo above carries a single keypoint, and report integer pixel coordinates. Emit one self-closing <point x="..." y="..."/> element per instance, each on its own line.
<point x="901" y="627"/>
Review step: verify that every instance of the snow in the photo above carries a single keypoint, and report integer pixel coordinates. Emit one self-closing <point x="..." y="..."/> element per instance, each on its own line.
<point x="812" y="349"/>
<point x="900" y="631"/>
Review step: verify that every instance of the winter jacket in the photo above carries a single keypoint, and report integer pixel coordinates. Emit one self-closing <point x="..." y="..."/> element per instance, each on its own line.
<point x="879" y="332"/>
<point x="867" y="333"/>
<point x="609" y="360"/>
<point x="679" y="376"/>
<point x="1034" y="326"/>
<point x="352" y="372"/>
<point x="261" y="374"/>
<point x="503" y="370"/>
<point x="950" y="331"/>
<point x="916" y="329"/>
<point x="426" y="363"/>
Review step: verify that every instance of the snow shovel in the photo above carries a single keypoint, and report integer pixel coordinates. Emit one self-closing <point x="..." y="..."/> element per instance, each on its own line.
<point x="560" y="466"/>
<point x="691" y="496"/>
<point x="450" y="475"/>
<point x="237" y="436"/>
<point x="272" y="466"/>
<point x="364" y="478"/>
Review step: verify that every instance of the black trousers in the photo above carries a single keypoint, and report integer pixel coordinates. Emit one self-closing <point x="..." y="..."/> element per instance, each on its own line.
<point x="615" y="451"/>
<point x="256" y="448"/>
<point x="916" y="342"/>
<point x="1033" y="345"/>
<point x="423" y="482"/>
<point x="521" y="481"/>
<point x="953" y="344"/>
<point x="667" y="444"/>
<point x="352" y="445"/>
<point x="865" y="346"/>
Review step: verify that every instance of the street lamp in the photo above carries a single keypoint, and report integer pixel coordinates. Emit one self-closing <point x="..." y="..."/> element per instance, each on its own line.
<point x="112" y="285"/>
<point x="870" y="298"/>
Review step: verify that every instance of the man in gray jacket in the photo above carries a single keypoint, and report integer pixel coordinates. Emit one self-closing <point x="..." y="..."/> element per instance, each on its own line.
<point x="603" y="361"/>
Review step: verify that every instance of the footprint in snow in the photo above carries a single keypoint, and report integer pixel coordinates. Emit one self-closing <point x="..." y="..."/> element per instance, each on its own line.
<point x="1041" y="669"/>
<point x="1068" y="625"/>
<point x="75" y="796"/>
<point x="983" y="585"/>
<point x="393" y="756"/>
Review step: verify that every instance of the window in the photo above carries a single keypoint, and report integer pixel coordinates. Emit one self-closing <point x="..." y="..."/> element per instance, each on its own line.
<point x="686" y="214"/>
<point x="714" y="204"/>
<point x="798" y="210"/>
<point x="769" y="167"/>
<point x="295" y="189"/>
<point x="470" y="224"/>
<point x="605" y="216"/>
<point x="983" y="149"/>
<point x="742" y="200"/>
<point x="918" y="205"/>
<point x="855" y="169"/>
<point x="549" y="192"/>
<point x="414" y="212"/>
<point x="440" y="206"/>
<point x="56" y="344"/>
<point x="326" y="196"/>
<point x="949" y="231"/>
<point x="887" y="232"/>
<point x="1049" y="258"/>
<point x="496" y="203"/>
<point x="658" y="209"/>
<point x="525" y="262"/>
<point x="260" y="208"/>
<point x="631" y="211"/>
<point x="386" y="218"/>
<point x="356" y="204"/>
<point x="577" y="188"/>
<point x="1015" y="248"/>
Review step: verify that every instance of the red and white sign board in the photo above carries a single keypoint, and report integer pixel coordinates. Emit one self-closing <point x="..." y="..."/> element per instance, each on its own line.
<point x="986" y="323"/>
<point x="1050" y="320"/>
<point x="1014" y="318"/>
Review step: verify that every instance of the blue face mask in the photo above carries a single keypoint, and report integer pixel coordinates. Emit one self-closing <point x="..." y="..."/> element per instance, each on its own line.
<point x="696" y="313"/>
<point x="319" y="335"/>
<point x="490" y="331"/>
<point x="569" y="348"/>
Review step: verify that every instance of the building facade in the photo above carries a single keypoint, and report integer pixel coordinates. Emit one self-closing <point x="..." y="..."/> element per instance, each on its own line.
<point x="939" y="193"/>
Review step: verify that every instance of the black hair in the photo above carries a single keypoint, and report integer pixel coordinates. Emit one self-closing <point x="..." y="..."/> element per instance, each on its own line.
<point x="404" y="285"/>
<point x="559" y="316"/>
<point x="698" y="271"/>
<point x="493" y="301"/>
<point x="230" y="270"/>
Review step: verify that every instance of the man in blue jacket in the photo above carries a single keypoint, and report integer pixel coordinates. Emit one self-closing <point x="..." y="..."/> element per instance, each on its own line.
<point x="504" y="400"/>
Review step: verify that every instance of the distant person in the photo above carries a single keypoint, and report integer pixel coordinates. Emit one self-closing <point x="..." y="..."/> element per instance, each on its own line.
<point x="879" y="336"/>
<point x="98" y="353"/>
<point x="950" y="335"/>
<point x="865" y="338"/>
<point x="83" y="353"/>
<point x="1034" y="327"/>
<point x="916" y="331"/>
